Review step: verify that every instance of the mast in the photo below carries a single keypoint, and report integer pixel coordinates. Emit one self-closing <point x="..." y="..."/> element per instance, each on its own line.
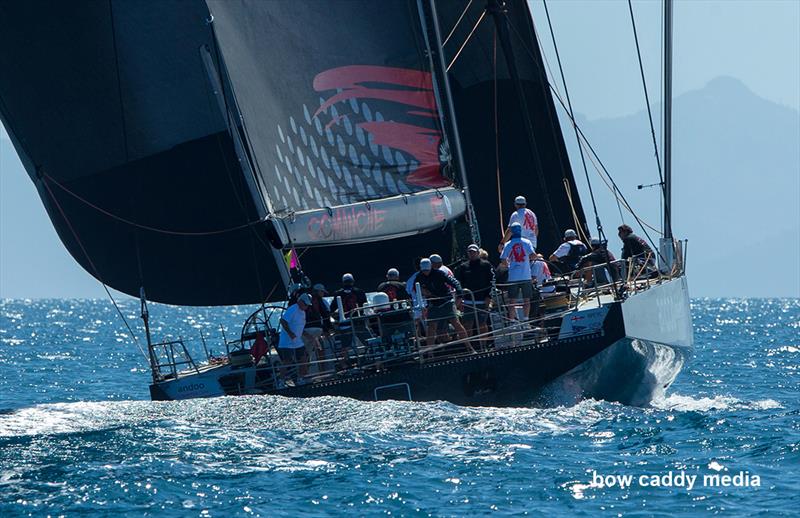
<point x="667" y="130"/>
<point x="497" y="8"/>
<point x="442" y="68"/>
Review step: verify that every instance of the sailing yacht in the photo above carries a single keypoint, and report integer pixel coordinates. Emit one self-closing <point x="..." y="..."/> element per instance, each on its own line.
<point x="183" y="149"/>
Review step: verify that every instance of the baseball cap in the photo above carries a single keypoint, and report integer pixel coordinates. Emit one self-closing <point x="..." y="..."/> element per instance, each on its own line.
<point x="305" y="298"/>
<point x="570" y="233"/>
<point x="516" y="229"/>
<point x="473" y="248"/>
<point x="348" y="277"/>
<point x="393" y="273"/>
<point x="436" y="258"/>
<point x="595" y="241"/>
<point x="520" y="200"/>
<point x="425" y="264"/>
<point x="319" y="287"/>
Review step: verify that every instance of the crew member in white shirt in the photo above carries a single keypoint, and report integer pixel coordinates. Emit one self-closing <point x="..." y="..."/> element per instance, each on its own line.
<point x="291" y="348"/>
<point x="526" y="218"/>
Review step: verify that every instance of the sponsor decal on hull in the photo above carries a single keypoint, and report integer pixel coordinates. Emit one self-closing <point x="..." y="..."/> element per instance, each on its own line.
<point x="583" y="322"/>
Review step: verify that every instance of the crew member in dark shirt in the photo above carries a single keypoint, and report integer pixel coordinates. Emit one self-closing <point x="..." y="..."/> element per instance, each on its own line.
<point x="436" y="286"/>
<point x="318" y="324"/>
<point x="601" y="259"/>
<point x="352" y="296"/>
<point x="392" y="286"/>
<point x="635" y="247"/>
<point x="476" y="275"/>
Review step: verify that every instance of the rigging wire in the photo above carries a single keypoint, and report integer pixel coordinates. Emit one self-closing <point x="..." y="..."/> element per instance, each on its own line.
<point x="469" y="37"/>
<point x="497" y="135"/>
<point x="647" y="101"/>
<point x="600" y="233"/>
<point x="586" y="141"/>
<point x="145" y="227"/>
<point x="91" y="263"/>
<point x="453" y="30"/>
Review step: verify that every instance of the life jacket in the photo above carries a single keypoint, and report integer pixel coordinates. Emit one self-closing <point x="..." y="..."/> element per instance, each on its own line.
<point x="576" y="251"/>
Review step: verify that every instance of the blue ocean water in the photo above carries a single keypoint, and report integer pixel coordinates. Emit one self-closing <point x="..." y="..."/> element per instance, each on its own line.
<point x="78" y="434"/>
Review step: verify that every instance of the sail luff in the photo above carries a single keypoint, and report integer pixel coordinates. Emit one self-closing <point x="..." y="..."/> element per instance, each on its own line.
<point x="241" y="145"/>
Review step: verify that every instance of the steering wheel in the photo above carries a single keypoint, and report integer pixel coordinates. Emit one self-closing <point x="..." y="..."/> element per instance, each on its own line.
<point x="264" y="320"/>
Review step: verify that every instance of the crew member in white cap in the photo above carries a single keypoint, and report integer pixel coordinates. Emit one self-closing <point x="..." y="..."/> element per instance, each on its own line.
<point x="527" y="220"/>
<point x="352" y="296"/>
<point x="438" y="288"/>
<point x="392" y="286"/>
<point x="567" y="255"/>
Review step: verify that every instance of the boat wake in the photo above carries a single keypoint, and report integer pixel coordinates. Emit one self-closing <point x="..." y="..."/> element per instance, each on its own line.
<point x="245" y="414"/>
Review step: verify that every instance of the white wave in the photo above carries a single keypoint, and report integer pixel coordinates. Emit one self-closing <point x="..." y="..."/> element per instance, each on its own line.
<point x="681" y="403"/>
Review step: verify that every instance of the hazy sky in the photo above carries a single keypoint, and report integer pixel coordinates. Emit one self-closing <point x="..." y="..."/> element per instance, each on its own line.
<point x="757" y="42"/>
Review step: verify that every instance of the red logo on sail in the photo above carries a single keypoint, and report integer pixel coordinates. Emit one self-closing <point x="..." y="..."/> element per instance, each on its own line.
<point x="413" y="88"/>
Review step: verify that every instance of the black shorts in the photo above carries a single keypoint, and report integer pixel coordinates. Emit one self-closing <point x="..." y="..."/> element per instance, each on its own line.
<point x="292" y="356"/>
<point x="444" y="311"/>
<point x="525" y="287"/>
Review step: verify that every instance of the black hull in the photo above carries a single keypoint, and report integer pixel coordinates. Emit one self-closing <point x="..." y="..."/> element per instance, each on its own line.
<point x="507" y="377"/>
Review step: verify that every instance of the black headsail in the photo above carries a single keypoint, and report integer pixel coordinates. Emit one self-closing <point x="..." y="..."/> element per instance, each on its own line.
<point x="507" y="111"/>
<point x="111" y="110"/>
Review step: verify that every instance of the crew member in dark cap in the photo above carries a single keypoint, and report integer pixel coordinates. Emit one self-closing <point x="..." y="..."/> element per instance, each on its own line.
<point x="476" y="275"/>
<point x="436" y="286"/>
<point x="635" y="246"/>
<point x="603" y="272"/>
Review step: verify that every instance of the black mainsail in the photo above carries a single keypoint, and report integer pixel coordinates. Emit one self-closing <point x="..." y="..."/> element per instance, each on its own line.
<point x="109" y="103"/>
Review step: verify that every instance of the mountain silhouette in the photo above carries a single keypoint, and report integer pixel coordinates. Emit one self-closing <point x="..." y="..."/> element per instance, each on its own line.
<point x="736" y="186"/>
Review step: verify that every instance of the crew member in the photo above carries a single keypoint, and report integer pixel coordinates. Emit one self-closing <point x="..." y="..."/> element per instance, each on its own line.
<point x="525" y="217"/>
<point x="540" y="273"/>
<point x="476" y="275"/>
<point x="318" y="322"/>
<point x="436" y="286"/>
<point x="291" y="348"/>
<point x="352" y="297"/>
<point x="635" y="247"/>
<point x="392" y="286"/>
<point x="517" y="254"/>
<point x="438" y="264"/>
<point x="567" y="255"/>
<point x="604" y="272"/>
